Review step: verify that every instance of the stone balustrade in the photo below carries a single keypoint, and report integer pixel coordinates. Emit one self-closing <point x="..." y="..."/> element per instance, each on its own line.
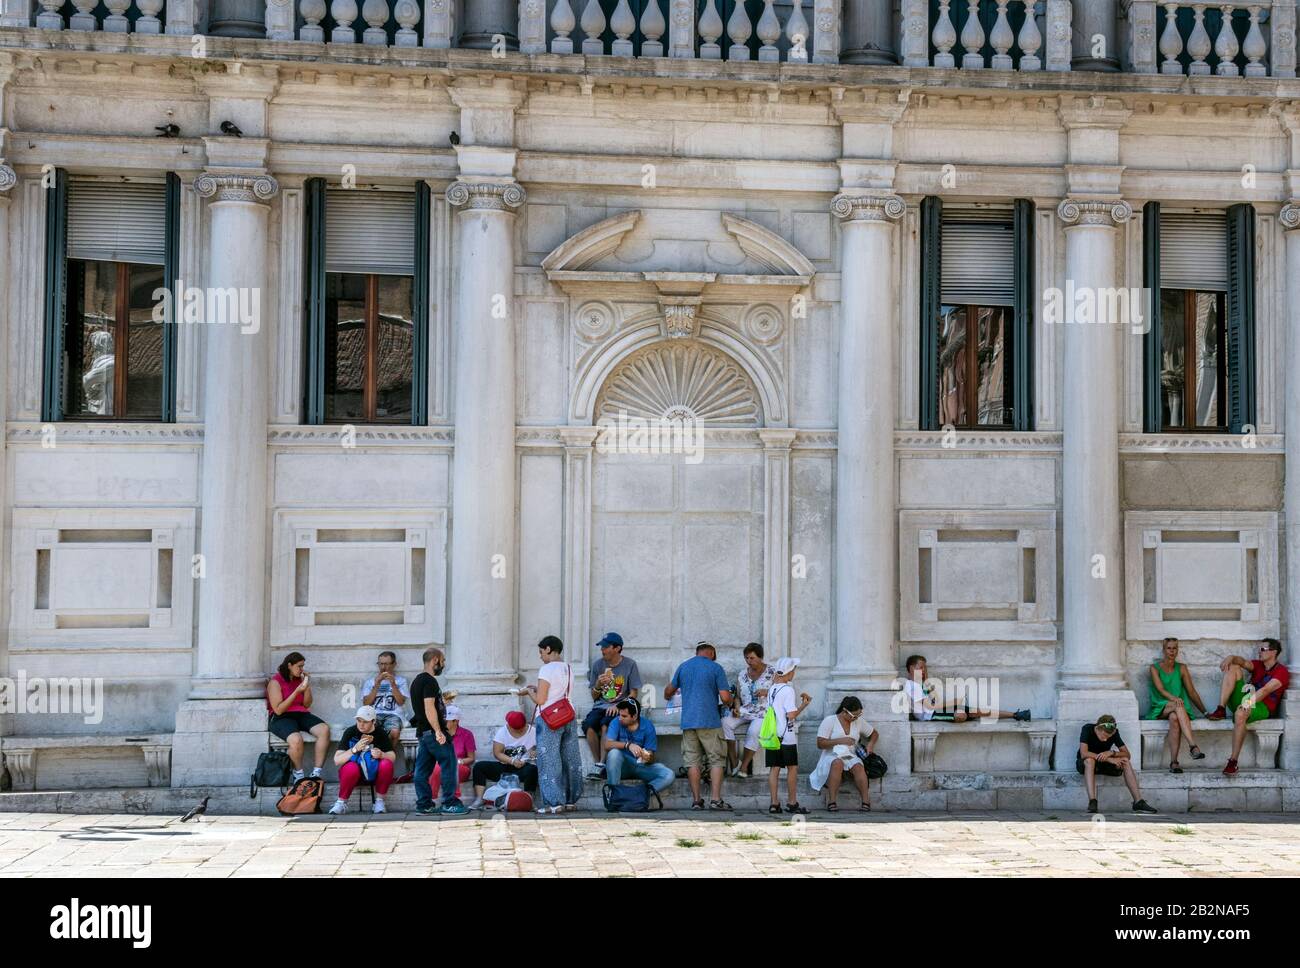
<point x="1227" y="39"/>
<point x="1006" y="35"/>
<point x="1252" y="39"/>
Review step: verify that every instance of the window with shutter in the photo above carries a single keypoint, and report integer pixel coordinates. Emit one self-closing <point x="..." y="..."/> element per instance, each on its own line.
<point x="110" y="335"/>
<point x="366" y="289"/>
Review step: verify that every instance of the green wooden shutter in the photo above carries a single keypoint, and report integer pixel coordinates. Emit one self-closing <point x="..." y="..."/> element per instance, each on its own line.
<point x="1241" y="317"/>
<point x="1153" y="341"/>
<point x="931" y="306"/>
<point x="313" y="275"/>
<point x="420" y="315"/>
<point x="1021" y="350"/>
<point x="56" y="294"/>
<point x="171" y="273"/>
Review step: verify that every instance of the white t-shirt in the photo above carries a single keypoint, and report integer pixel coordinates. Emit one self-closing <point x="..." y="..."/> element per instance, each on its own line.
<point x="559" y="676"/>
<point x="516" y="747"/>
<point x="386" y="703"/>
<point x="832" y="728"/>
<point x="784" y="700"/>
<point x="917" y="695"/>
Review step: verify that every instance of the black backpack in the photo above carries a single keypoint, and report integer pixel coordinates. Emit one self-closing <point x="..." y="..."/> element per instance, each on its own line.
<point x="273" y="770"/>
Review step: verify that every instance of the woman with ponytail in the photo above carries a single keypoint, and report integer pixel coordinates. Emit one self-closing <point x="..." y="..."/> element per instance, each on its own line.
<point x="838" y="738"/>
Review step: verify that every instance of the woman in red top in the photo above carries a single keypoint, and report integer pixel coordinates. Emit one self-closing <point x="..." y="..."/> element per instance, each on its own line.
<point x="288" y="699"/>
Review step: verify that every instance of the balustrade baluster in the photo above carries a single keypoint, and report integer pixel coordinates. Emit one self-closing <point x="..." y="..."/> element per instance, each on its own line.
<point x="1198" y="44"/>
<point x="739" y="29"/>
<point x="375" y="14"/>
<point x="593" y="25"/>
<point x="562" y="22"/>
<point x="769" y="32"/>
<point x="1002" y="39"/>
<point x="148" y="22"/>
<point x="1226" y="46"/>
<point x="653" y="26"/>
<point x="344" y="13"/>
<point x="710" y="28"/>
<point x="407" y="15"/>
<point x="116" y="22"/>
<point x="1171" y="42"/>
<point x="972" y="38"/>
<point x="623" y="23"/>
<point x="945" y="36"/>
<point x="1255" y="47"/>
<point x="796" y="29"/>
<point x="1030" y="40"/>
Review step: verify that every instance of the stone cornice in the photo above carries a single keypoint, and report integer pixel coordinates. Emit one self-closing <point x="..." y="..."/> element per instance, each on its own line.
<point x="333" y="434"/>
<point x="228" y="187"/>
<point x="961" y="441"/>
<point x="108" y="433"/>
<point x="1257" y="445"/>
<point x="489" y="196"/>
<point x="1090" y="211"/>
<point x="1094" y="111"/>
<point x="854" y="206"/>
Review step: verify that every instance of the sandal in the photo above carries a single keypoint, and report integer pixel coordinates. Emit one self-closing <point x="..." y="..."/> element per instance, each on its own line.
<point x="1196" y="753"/>
<point x="1174" y="767"/>
<point x="719" y="805"/>
<point x="774" y="808"/>
<point x="795" y="808"/>
<point x="866" y="807"/>
<point x="697" y="805"/>
<point x="832" y="807"/>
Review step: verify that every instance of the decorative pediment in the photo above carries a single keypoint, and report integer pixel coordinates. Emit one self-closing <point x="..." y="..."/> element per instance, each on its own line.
<point x="573" y="264"/>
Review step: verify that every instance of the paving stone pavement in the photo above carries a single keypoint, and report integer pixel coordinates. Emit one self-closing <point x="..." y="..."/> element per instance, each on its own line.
<point x="668" y="844"/>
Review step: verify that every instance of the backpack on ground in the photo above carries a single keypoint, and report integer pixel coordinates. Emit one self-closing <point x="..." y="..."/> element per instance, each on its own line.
<point x="515" y="801"/>
<point x="629" y="799"/>
<point x="303" y="797"/>
<point x="273" y="770"/>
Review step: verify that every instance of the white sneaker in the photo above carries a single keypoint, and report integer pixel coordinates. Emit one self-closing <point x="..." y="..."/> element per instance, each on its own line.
<point x="550" y="810"/>
<point x="297" y="775"/>
<point x="340" y="806"/>
<point x="379" y="806"/>
<point x="315" y="774"/>
<point x="477" y="804"/>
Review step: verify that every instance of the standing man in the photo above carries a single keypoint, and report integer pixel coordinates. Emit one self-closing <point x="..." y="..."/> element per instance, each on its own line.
<point x="611" y="679"/>
<point x="386" y="694"/>
<point x="435" y="746"/>
<point x="1251" y="690"/>
<point x="703" y="686"/>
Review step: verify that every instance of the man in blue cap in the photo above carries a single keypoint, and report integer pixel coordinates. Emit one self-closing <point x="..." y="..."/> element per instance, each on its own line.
<point x="611" y="679"/>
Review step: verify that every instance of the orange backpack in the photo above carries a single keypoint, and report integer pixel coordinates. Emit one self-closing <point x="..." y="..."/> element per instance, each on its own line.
<point x="303" y="797"/>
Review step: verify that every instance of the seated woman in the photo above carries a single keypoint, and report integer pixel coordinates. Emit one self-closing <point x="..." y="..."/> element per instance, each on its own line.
<point x="838" y="738"/>
<point x="462" y="741"/>
<point x="514" y="748"/>
<point x="288" y="700"/>
<point x="366" y="755"/>
<point x="1171" y="694"/>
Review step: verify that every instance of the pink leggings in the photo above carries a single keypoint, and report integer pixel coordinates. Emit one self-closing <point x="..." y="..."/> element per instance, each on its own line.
<point x="350" y="776"/>
<point x="462" y="774"/>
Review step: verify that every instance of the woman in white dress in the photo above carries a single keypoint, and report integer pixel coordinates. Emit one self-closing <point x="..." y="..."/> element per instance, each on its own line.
<point x="838" y="738"/>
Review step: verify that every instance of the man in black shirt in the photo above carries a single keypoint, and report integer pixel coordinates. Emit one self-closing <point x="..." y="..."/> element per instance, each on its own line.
<point x="1102" y="751"/>
<point x="430" y="721"/>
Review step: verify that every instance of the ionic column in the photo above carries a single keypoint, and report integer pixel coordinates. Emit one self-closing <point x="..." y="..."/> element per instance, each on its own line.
<point x="483" y="564"/>
<point x="866" y="553"/>
<point x="230" y="662"/>
<point x="222" y="727"/>
<point x="1290" y="220"/>
<point x="1090" y="510"/>
<point x="1092" y="680"/>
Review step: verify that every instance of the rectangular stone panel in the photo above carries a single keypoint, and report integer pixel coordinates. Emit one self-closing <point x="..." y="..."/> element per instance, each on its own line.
<point x="977" y="481"/>
<point x="100" y="475"/>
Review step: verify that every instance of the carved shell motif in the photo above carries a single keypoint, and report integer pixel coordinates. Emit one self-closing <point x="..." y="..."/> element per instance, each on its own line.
<point x="681" y="381"/>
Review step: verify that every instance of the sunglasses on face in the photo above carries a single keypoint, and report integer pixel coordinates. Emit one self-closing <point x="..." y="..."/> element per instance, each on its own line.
<point x="1106" y="727"/>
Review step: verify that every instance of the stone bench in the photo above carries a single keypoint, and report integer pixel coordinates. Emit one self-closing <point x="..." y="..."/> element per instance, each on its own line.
<point x="20" y="753"/>
<point x="1039" y="735"/>
<point x="1267" y="733"/>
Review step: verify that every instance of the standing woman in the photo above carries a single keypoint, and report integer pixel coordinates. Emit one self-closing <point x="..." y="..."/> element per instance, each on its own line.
<point x="288" y="699"/>
<point x="559" y="764"/>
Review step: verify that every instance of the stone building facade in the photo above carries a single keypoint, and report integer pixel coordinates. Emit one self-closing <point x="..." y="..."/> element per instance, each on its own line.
<point x="832" y="237"/>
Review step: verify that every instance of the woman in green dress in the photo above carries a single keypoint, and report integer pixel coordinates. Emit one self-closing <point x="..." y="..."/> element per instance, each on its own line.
<point x="1170" y="693"/>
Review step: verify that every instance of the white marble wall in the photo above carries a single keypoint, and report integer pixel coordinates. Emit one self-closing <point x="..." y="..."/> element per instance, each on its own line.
<point x="642" y="193"/>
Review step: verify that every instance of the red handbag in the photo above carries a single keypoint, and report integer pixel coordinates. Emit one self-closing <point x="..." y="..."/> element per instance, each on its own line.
<point x="560" y="713"/>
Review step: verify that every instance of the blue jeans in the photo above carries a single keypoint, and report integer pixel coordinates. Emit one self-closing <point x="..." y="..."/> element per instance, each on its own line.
<point x="655" y="775"/>
<point x="559" y="764"/>
<point x="428" y="752"/>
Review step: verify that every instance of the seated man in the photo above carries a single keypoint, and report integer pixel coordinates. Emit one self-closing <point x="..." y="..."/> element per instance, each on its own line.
<point x="1252" y="689"/>
<point x="611" y="678"/>
<point x="927" y="706"/>
<point x="630" y="746"/>
<point x="1102" y="751"/>
<point x="386" y="692"/>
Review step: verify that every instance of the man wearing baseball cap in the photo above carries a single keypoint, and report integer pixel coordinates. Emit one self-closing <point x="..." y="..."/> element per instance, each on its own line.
<point x="1102" y="752"/>
<point x="611" y="679"/>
